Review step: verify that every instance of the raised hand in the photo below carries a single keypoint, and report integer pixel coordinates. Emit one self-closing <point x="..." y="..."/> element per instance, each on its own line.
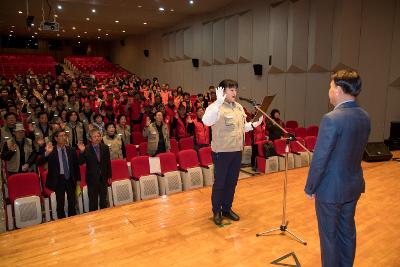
<point x="81" y="146"/>
<point x="220" y="95"/>
<point x="148" y="121"/>
<point x="49" y="148"/>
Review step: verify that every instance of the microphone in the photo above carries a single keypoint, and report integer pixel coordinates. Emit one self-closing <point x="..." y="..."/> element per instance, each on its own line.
<point x="251" y="101"/>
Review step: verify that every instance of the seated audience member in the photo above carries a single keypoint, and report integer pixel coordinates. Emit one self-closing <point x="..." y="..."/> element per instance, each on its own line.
<point x="274" y="131"/>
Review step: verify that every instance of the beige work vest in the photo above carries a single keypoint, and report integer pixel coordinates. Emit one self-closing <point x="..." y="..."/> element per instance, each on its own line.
<point x="228" y="131"/>
<point x="115" y="146"/>
<point x="13" y="163"/>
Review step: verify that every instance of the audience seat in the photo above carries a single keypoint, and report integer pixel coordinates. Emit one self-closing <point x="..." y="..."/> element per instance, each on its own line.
<point x="145" y="183"/>
<point x="169" y="179"/>
<point x="192" y="176"/>
<point x="207" y="165"/>
<point x="280" y="147"/>
<point x="121" y="185"/>
<point x="300" y="156"/>
<point x="266" y="165"/>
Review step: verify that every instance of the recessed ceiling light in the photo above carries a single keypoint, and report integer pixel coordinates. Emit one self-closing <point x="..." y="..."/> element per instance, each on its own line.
<point x="117" y="21"/>
<point x="79" y="42"/>
<point x="139" y="6"/>
<point x="55" y="15"/>
<point x="145" y="23"/>
<point x="98" y="37"/>
<point x="99" y="30"/>
<point x="79" y="36"/>
<point x="35" y="33"/>
<point x="93" y="10"/>
<point x="161" y="8"/>
<point x="63" y="30"/>
<point x="33" y="36"/>
<point x="172" y="10"/>
<point x="58" y="34"/>
<point x="85" y="32"/>
<point x="10" y="35"/>
<point x="87" y="19"/>
<point x="191" y="2"/>
<point x="123" y="30"/>
<point x="106" y="34"/>
<point x="32" y="24"/>
<point x="59" y="7"/>
<point x="19" y="11"/>
<point x="12" y="26"/>
<point x="11" y="31"/>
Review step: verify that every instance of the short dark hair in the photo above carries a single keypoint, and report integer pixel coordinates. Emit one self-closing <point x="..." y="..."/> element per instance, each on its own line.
<point x="108" y="124"/>
<point x="120" y="116"/>
<point x="69" y="114"/>
<point x="42" y="113"/>
<point x="8" y="114"/>
<point x="348" y="80"/>
<point x="57" y="132"/>
<point x="228" y="83"/>
<point x="274" y="111"/>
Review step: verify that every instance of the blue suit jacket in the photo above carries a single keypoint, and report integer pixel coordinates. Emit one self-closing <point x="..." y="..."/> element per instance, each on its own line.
<point x="335" y="174"/>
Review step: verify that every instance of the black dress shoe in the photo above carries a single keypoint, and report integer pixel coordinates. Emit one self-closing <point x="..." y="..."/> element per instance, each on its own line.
<point x="231" y="215"/>
<point x="217" y="218"/>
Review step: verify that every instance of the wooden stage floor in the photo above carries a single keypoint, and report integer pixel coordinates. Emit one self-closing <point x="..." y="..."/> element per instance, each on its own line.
<point x="177" y="230"/>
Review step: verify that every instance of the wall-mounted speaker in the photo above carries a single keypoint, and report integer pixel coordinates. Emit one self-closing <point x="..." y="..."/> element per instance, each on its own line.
<point x="195" y="62"/>
<point x="146" y="52"/>
<point x="257" y="69"/>
<point x="122" y="42"/>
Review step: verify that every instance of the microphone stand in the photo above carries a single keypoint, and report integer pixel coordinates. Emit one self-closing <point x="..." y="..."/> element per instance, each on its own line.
<point x="291" y="138"/>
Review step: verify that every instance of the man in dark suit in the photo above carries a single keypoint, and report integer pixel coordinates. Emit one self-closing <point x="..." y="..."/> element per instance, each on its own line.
<point x="335" y="177"/>
<point x="98" y="169"/>
<point x="63" y="173"/>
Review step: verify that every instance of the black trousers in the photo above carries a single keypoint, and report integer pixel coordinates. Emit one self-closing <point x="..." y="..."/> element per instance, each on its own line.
<point x="226" y="173"/>
<point x="337" y="233"/>
<point x="97" y="191"/>
<point x="65" y="186"/>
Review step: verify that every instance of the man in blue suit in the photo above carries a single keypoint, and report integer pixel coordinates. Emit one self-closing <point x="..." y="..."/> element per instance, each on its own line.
<point x="335" y="178"/>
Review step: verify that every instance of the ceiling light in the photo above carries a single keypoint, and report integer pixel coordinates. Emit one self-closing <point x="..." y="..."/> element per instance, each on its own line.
<point x="10" y="35"/>
<point x="99" y="30"/>
<point x="161" y="8"/>
<point x="33" y="36"/>
<point x="79" y="42"/>
<point x="55" y="15"/>
<point x="191" y="2"/>
<point x="106" y="34"/>
<point x="87" y="19"/>
<point x="59" y="7"/>
<point x="85" y="32"/>
<point x="12" y="26"/>
<point x="11" y="31"/>
<point x="58" y="34"/>
<point x="117" y="21"/>
<point x="172" y="10"/>
<point x="79" y="36"/>
<point x="139" y="6"/>
<point x="93" y="10"/>
<point x="32" y="24"/>
<point x="19" y="11"/>
<point x="123" y="30"/>
<point x="63" y="30"/>
<point x="36" y="33"/>
<point x="98" y="37"/>
<point x="73" y="27"/>
<point x="145" y="23"/>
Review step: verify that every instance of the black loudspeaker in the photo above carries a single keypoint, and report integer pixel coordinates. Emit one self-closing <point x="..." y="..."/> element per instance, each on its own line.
<point x="257" y="69"/>
<point x="146" y="52"/>
<point x="195" y="62"/>
<point x="376" y="151"/>
<point x="122" y="42"/>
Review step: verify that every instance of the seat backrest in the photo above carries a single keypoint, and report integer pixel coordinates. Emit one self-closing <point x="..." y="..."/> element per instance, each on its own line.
<point x="174" y="146"/>
<point x="312" y="130"/>
<point x="300" y="132"/>
<point x="143" y="149"/>
<point x="137" y="137"/>
<point x="43" y="175"/>
<point x="186" y="143"/>
<point x="131" y="152"/>
<point x="188" y="159"/>
<point x="23" y="185"/>
<point x="292" y="124"/>
<point x="119" y="170"/>
<point x="140" y="166"/>
<point x="295" y="147"/>
<point x="280" y="145"/>
<point x="167" y="162"/>
<point x="310" y="142"/>
<point x="82" y="170"/>
<point x="205" y="156"/>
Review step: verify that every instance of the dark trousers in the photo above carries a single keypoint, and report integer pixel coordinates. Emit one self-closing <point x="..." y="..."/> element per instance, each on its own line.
<point x="65" y="186"/>
<point x="254" y="154"/>
<point x="96" y="191"/>
<point x="226" y="173"/>
<point x="337" y="232"/>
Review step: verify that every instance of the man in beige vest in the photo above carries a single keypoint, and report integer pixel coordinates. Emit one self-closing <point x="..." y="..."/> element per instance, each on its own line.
<point x="228" y="123"/>
<point x="18" y="152"/>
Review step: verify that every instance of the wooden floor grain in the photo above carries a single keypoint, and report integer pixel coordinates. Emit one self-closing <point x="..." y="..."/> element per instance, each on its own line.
<point x="177" y="230"/>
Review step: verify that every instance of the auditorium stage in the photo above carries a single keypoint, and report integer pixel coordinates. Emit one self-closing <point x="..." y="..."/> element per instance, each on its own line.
<point x="178" y="231"/>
